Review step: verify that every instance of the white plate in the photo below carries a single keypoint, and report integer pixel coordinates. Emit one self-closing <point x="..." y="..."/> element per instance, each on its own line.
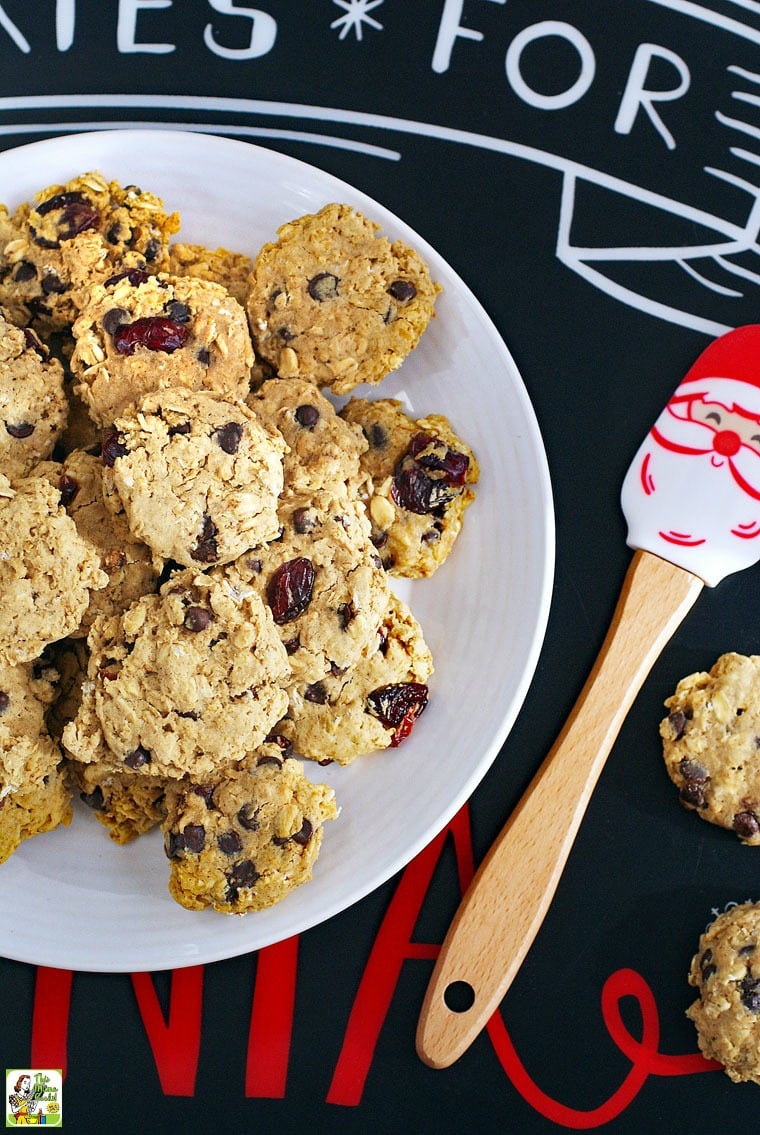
<point x="73" y="899"/>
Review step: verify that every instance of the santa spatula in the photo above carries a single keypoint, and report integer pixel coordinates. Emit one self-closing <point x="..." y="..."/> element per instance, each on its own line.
<point x="692" y="502"/>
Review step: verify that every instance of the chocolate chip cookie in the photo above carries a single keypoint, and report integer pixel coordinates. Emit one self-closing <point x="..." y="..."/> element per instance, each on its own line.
<point x="199" y="475"/>
<point x="245" y="841"/>
<point x="711" y="744"/>
<point x="33" y="403"/>
<point x="726" y="971"/>
<point x="332" y="302"/>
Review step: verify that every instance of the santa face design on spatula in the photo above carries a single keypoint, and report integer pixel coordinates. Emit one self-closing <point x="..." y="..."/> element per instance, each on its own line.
<point x="692" y="494"/>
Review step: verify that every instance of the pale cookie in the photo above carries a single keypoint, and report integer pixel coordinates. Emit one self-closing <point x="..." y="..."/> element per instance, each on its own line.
<point x="230" y="269"/>
<point x="129" y="564"/>
<point x="33" y="403"/>
<point x="332" y="302"/>
<point x="70" y="236"/>
<point x="144" y="333"/>
<point x="322" y="582"/>
<point x="726" y="971"/>
<point x="199" y="475"/>
<point x="127" y="804"/>
<point x="711" y="742"/>
<point x="185" y="681"/>
<point x="33" y="794"/>
<point x="245" y="841"/>
<point x="47" y="570"/>
<point x="372" y="705"/>
<point x="324" y="451"/>
<point x="421" y="477"/>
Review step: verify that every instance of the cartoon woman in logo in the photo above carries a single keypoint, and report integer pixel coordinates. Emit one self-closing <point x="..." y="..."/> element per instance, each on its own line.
<point x="23" y="1104"/>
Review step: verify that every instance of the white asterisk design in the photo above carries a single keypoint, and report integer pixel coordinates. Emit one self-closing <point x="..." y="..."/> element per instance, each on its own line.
<point x="356" y="16"/>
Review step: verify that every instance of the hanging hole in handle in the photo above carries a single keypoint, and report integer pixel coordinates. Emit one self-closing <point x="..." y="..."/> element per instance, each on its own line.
<point x="459" y="996"/>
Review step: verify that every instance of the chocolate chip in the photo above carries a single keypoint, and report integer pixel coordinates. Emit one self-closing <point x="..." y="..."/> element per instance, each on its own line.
<point x="693" y="771"/>
<point x="177" y="311"/>
<point x="24" y="271"/>
<point x="706" y="968"/>
<point x="303" y="521"/>
<point x="94" y="799"/>
<point x="194" y="838"/>
<point x="52" y="285"/>
<point x="197" y="619"/>
<point x="5" y="701"/>
<point x="206" y="551"/>
<point x="112" y="448"/>
<point x="180" y="429"/>
<point x="20" y="430"/>
<point x="113" y="318"/>
<point x="228" y="436"/>
<point x="206" y="792"/>
<point x="269" y="760"/>
<point x="248" y="817"/>
<point x="68" y="487"/>
<point x="243" y="874"/>
<point x="376" y="435"/>
<point x="303" y="836"/>
<point x="678" y="721"/>
<point x="692" y="795"/>
<point x="307" y="416"/>
<point x="152" y="249"/>
<point x="137" y="758"/>
<point x="230" y="843"/>
<point x="323" y="286"/>
<point x="750" y="993"/>
<point x="203" y="355"/>
<point x="316" y="693"/>
<point x="746" y="824"/>
<point x="402" y="290"/>
<point x="284" y="743"/>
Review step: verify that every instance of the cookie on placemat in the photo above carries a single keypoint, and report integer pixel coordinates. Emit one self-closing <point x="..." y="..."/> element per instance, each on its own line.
<point x="33" y="403"/>
<point x="373" y="704"/>
<point x="199" y="475"/>
<point x="322" y="581"/>
<point x="421" y="478"/>
<point x="324" y="451"/>
<point x="184" y="681"/>
<point x="34" y="797"/>
<point x="711" y="740"/>
<point x="726" y="971"/>
<point x="71" y="236"/>
<point x="47" y="570"/>
<point x="242" y="842"/>
<point x="140" y="333"/>
<point x="332" y="302"/>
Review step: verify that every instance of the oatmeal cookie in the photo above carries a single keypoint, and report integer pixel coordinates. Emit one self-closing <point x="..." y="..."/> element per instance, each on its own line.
<point x="230" y="269"/>
<point x="322" y="582"/>
<point x="127" y="804"/>
<point x="33" y="795"/>
<point x="370" y="706"/>
<point x="199" y="475"/>
<point x="53" y="248"/>
<point x="726" y="971"/>
<point x="710" y="744"/>
<point x="140" y="333"/>
<point x="245" y="841"/>
<point x="420" y="482"/>
<point x="324" y="451"/>
<point x="185" y="681"/>
<point x="47" y="571"/>
<point x="33" y="403"/>
<point x="333" y="302"/>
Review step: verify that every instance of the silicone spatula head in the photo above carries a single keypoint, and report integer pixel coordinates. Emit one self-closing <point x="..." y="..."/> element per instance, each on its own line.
<point x="692" y="492"/>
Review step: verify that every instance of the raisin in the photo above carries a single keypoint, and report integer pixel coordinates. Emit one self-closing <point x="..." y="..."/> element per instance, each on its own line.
<point x="290" y="589"/>
<point x="154" y="332"/>
<point x="397" y="706"/>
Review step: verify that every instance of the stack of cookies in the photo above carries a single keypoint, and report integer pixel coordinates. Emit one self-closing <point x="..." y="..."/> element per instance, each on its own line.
<point x="200" y="532"/>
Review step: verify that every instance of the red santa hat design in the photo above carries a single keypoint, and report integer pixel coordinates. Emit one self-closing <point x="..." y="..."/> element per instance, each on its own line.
<point x="728" y="372"/>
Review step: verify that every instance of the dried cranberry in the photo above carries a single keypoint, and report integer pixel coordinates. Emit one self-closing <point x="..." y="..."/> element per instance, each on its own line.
<point x="20" y="430"/>
<point x="450" y="462"/>
<point x="413" y="490"/>
<point x="228" y="437"/>
<point x="112" y="448"/>
<point x="77" y="215"/>
<point x="154" y="332"/>
<point x="398" y="705"/>
<point x="206" y="550"/>
<point x="290" y="589"/>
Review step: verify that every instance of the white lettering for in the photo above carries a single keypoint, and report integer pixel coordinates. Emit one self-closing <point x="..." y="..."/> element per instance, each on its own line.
<point x="262" y="35"/>
<point x="636" y="93"/>
<point x="449" y="30"/>
<point x="540" y="31"/>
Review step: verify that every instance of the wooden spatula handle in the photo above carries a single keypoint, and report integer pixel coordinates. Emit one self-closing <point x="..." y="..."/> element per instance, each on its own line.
<point x="507" y="901"/>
